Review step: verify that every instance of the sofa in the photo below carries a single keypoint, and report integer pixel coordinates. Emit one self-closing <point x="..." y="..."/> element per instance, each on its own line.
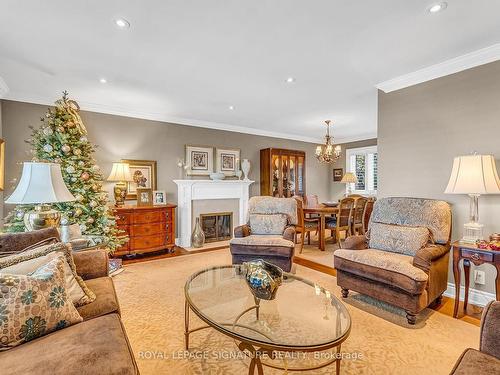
<point x="269" y="234"/>
<point x="403" y="258"/>
<point x="486" y="360"/>
<point x="98" y="345"/>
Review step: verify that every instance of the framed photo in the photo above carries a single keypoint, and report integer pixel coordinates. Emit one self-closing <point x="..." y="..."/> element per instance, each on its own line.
<point x="144" y="175"/>
<point x="144" y="197"/>
<point x="200" y="160"/>
<point x="227" y="161"/>
<point x="159" y="197"/>
<point x="337" y="174"/>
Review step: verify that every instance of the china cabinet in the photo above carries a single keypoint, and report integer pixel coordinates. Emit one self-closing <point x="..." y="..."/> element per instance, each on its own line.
<point x="282" y="172"/>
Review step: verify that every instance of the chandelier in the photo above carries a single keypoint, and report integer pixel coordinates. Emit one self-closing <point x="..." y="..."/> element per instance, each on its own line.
<point x="328" y="153"/>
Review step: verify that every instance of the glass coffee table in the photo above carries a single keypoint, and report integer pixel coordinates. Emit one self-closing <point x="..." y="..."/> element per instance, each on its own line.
<point x="301" y="329"/>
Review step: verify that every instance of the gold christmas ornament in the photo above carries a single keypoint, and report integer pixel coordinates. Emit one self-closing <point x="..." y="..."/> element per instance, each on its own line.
<point x="66" y="149"/>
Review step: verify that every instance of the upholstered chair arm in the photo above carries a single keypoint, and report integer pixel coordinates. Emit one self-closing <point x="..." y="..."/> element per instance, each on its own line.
<point x="425" y="256"/>
<point x="289" y="233"/>
<point x="91" y="264"/>
<point x="359" y="242"/>
<point x="490" y="334"/>
<point x="12" y="243"/>
<point x="242" y="231"/>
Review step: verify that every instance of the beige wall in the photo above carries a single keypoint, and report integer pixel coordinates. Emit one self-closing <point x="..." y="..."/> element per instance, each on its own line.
<point x="421" y="129"/>
<point x="130" y="138"/>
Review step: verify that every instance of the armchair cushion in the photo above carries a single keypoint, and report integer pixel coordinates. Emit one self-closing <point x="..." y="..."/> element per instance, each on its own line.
<point x="91" y="264"/>
<point x="490" y="334"/>
<point x="289" y="233"/>
<point x="398" y="238"/>
<point x="268" y="224"/>
<point x="262" y="240"/>
<point x="355" y="243"/>
<point x="393" y="269"/>
<point x="425" y="256"/>
<point x="474" y="362"/>
<point x="272" y="205"/>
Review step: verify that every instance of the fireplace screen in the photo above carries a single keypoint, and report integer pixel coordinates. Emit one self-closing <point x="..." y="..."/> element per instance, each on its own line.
<point x="217" y="226"/>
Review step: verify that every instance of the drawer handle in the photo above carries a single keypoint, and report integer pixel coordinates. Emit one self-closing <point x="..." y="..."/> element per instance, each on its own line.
<point x="475" y="256"/>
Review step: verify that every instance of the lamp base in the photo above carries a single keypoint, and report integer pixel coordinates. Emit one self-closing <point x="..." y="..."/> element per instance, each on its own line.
<point x="120" y="191"/>
<point x="473" y="232"/>
<point x="43" y="216"/>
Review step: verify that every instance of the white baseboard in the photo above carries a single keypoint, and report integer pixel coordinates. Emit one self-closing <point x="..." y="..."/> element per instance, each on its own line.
<point x="476" y="297"/>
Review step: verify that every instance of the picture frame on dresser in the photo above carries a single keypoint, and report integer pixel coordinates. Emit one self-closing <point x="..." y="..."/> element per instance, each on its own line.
<point x="159" y="197"/>
<point x="144" y="197"/>
<point x="227" y="161"/>
<point x="144" y="174"/>
<point x="200" y="160"/>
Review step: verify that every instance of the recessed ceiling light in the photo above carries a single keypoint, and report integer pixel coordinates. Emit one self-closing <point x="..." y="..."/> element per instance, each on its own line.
<point x="231" y="107"/>
<point x="435" y="8"/>
<point x="103" y="80"/>
<point x="290" y="80"/>
<point x="122" y="23"/>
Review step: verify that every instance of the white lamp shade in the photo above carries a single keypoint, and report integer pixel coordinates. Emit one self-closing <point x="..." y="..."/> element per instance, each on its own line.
<point x="474" y="174"/>
<point x="349" y="178"/>
<point x="40" y="183"/>
<point x="120" y="172"/>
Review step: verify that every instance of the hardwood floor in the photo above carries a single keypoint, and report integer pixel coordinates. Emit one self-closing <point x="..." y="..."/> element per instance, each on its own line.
<point x="472" y="315"/>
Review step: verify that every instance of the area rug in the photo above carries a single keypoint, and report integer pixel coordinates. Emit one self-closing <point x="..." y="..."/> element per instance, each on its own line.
<point x="151" y="296"/>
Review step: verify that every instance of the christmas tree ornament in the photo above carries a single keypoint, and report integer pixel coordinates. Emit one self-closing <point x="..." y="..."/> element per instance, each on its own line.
<point x="90" y="220"/>
<point x="96" y="168"/>
<point x="83" y="227"/>
<point x="73" y="179"/>
<point x="83" y="139"/>
<point x="60" y="129"/>
<point x="48" y="131"/>
<point x="93" y="204"/>
<point x="77" y="151"/>
<point x="48" y="148"/>
<point x="79" y="197"/>
<point x="66" y="149"/>
<point x="84" y="176"/>
<point x="78" y="212"/>
<point x="70" y="169"/>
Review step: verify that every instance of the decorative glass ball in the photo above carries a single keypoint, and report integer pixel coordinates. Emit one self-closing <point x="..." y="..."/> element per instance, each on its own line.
<point x="73" y="179"/>
<point x="78" y="212"/>
<point x="85" y="176"/>
<point x="48" y="148"/>
<point x="70" y="169"/>
<point x="95" y="167"/>
<point x="77" y="151"/>
<point x="48" y="131"/>
<point x="83" y="227"/>
<point x="106" y="230"/>
<point x="93" y="204"/>
<point x="60" y="129"/>
<point x="83" y="139"/>
<point x="90" y="220"/>
<point x="81" y="163"/>
<point x="79" y="197"/>
<point x="70" y="124"/>
<point x="66" y="149"/>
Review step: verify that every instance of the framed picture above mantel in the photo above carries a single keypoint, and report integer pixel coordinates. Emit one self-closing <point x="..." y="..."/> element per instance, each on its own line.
<point x="227" y="161"/>
<point x="144" y="176"/>
<point x="200" y="160"/>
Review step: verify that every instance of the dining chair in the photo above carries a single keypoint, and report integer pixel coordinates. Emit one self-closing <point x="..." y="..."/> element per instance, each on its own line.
<point x="342" y="220"/>
<point x="368" y="212"/>
<point x="358" y="216"/>
<point x="304" y="225"/>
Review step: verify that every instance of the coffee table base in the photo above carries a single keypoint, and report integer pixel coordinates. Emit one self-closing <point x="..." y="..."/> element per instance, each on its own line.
<point x="255" y="353"/>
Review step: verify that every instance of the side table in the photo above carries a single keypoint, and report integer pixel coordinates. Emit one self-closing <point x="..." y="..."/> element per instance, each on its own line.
<point x="471" y="253"/>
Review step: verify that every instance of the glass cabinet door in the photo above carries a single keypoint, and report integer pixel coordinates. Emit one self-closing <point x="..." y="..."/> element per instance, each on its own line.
<point x="276" y="177"/>
<point x="286" y="176"/>
<point x="300" y="175"/>
<point x="292" y="165"/>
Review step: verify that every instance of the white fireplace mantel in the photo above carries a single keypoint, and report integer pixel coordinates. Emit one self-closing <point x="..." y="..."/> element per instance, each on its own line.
<point x="190" y="190"/>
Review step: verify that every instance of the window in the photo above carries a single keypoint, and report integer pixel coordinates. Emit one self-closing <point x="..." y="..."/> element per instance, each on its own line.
<point x="363" y="162"/>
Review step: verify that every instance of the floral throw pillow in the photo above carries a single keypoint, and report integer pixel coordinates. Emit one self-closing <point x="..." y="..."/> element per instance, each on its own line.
<point x="34" y="305"/>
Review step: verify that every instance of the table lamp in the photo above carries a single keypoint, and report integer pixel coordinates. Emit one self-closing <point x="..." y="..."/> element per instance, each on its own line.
<point x="349" y="179"/>
<point x="41" y="184"/>
<point x="121" y="174"/>
<point x="473" y="175"/>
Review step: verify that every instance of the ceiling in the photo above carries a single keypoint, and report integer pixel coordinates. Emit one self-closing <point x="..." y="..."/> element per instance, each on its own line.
<point x="188" y="61"/>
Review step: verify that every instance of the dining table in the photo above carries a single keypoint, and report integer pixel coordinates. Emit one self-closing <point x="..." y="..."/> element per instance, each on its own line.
<point x="322" y="210"/>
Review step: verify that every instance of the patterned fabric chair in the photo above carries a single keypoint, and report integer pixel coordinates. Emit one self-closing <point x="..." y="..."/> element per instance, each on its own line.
<point x="403" y="259"/>
<point x="342" y="220"/>
<point x="486" y="360"/>
<point x="269" y="233"/>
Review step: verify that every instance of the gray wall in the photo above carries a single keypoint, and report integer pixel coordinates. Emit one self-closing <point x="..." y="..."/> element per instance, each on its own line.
<point x="130" y="138"/>
<point x="422" y="128"/>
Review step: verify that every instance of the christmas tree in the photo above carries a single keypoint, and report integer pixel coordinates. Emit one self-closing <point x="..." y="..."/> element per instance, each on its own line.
<point x="62" y="138"/>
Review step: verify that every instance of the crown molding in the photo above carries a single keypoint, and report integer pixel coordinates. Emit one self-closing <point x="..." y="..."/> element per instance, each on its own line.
<point x="455" y="65"/>
<point x="4" y="89"/>
<point x="127" y="112"/>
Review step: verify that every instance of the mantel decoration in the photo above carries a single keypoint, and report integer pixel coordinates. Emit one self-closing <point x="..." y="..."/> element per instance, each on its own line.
<point x="328" y="153"/>
<point x="200" y="160"/>
<point x="473" y="175"/>
<point x="263" y="278"/>
<point x="62" y="139"/>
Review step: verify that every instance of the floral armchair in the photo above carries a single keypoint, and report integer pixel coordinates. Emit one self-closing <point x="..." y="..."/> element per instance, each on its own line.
<point x="403" y="258"/>
<point x="269" y="233"/>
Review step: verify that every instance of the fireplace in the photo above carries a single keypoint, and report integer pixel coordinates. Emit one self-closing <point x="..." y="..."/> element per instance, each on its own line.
<point x="217" y="226"/>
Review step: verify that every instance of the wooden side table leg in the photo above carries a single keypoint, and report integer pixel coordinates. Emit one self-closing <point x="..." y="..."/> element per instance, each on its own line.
<point x="466" y="282"/>
<point x="456" y="276"/>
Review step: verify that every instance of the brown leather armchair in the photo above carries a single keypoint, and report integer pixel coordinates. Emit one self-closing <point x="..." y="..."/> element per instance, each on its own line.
<point x="403" y="259"/>
<point x="269" y="233"/>
<point x="486" y="360"/>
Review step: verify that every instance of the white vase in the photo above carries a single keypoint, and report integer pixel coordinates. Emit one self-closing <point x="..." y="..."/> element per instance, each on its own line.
<point x="245" y="167"/>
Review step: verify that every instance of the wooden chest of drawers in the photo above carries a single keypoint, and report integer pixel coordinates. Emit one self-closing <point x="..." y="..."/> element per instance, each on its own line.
<point x="149" y="228"/>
